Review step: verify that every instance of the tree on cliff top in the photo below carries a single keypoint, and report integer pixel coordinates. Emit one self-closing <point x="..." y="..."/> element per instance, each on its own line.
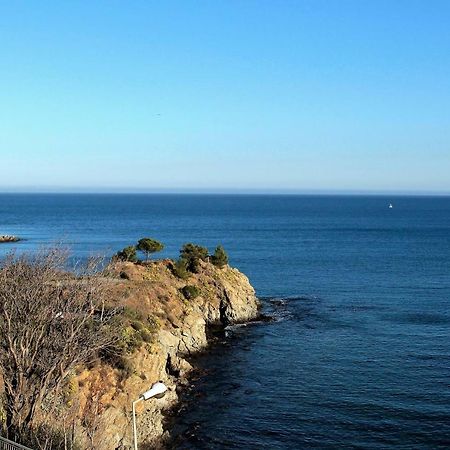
<point x="50" y="323"/>
<point x="149" y="246"/>
<point x="127" y="254"/>
<point x="220" y="257"/>
<point x="193" y="254"/>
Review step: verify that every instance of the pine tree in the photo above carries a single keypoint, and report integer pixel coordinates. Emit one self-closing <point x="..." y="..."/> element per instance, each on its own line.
<point x="220" y="257"/>
<point x="149" y="246"/>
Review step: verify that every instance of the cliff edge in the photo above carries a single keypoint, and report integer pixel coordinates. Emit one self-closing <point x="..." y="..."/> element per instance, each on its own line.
<point x="166" y="325"/>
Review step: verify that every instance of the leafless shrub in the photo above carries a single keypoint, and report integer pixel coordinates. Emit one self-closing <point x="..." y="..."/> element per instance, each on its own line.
<point x="50" y="322"/>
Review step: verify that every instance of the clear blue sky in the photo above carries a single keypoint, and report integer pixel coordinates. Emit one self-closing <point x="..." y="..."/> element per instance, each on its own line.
<point x="225" y="95"/>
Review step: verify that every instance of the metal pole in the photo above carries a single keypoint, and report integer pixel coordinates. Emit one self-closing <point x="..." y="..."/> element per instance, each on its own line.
<point x="134" y="423"/>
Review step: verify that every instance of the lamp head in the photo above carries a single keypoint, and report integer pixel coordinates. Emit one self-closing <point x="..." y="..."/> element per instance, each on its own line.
<point x="157" y="390"/>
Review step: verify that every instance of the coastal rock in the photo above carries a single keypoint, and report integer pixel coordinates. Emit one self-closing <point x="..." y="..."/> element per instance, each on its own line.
<point x="228" y="297"/>
<point x="8" y="238"/>
<point x="239" y="302"/>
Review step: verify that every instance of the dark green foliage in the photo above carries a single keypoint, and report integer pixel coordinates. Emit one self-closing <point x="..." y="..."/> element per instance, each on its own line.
<point x="132" y="329"/>
<point x="180" y="270"/>
<point x="193" y="254"/>
<point x="220" y="257"/>
<point x="190" y="292"/>
<point x="127" y="254"/>
<point x="149" y="246"/>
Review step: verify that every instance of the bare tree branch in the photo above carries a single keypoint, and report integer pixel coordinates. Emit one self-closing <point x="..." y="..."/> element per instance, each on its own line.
<point x="50" y="323"/>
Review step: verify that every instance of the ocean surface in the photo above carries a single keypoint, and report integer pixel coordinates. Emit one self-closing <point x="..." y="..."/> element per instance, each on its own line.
<point x="358" y="353"/>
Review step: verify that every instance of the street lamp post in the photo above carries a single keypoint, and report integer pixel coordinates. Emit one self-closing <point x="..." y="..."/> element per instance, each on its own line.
<point x="156" y="391"/>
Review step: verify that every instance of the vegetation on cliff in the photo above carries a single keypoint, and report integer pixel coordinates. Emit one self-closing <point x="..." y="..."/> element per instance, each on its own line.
<point x="190" y="292"/>
<point x="180" y="269"/>
<point x="149" y="246"/>
<point x="127" y="254"/>
<point x="220" y="257"/>
<point x="193" y="254"/>
<point x="146" y="245"/>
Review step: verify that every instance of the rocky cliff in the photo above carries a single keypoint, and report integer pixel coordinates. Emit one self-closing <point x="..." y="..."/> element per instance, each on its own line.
<point x="100" y="397"/>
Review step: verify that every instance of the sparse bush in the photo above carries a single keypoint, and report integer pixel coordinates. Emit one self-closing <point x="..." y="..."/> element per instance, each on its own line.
<point x="220" y="257"/>
<point x="193" y="254"/>
<point x="127" y="254"/>
<point x="190" y="292"/>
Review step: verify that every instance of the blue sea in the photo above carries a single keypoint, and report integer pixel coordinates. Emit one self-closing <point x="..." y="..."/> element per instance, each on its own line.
<point x="358" y="353"/>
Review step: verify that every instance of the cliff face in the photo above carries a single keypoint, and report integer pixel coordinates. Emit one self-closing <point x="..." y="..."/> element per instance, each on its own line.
<point x="101" y="397"/>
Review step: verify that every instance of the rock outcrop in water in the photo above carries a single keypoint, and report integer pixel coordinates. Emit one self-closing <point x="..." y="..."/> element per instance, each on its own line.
<point x="8" y="238"/>
<point x="100" y="398"/>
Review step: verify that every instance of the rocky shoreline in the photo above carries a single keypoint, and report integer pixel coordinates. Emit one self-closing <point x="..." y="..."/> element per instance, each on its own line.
<point x="226" y="297"/>
<point x="192" y="386"/>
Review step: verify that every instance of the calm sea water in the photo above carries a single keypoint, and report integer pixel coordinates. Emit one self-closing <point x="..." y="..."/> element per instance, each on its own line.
<point x="359" y="353"/>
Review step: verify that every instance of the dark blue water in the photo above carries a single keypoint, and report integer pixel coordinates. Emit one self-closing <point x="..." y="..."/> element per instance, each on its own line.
<point x="359" y="356"/>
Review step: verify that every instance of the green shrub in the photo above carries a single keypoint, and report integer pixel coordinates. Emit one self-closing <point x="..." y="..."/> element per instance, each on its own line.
<point x="193" y="254"/>
<point x="180" y="270"/>
<point x="190" y="292"/>
<point x="132" y="339"/>
<point x="127" y="254"/>
<point x="132" y="329"/>
<point x="220" y="257"/>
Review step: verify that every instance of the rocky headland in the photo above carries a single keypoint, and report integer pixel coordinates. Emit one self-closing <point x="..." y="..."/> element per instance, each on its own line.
<point x="165" y="327"/>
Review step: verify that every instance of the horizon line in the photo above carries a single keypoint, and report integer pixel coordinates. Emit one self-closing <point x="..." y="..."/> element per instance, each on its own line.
<point x="219" y="191"/>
